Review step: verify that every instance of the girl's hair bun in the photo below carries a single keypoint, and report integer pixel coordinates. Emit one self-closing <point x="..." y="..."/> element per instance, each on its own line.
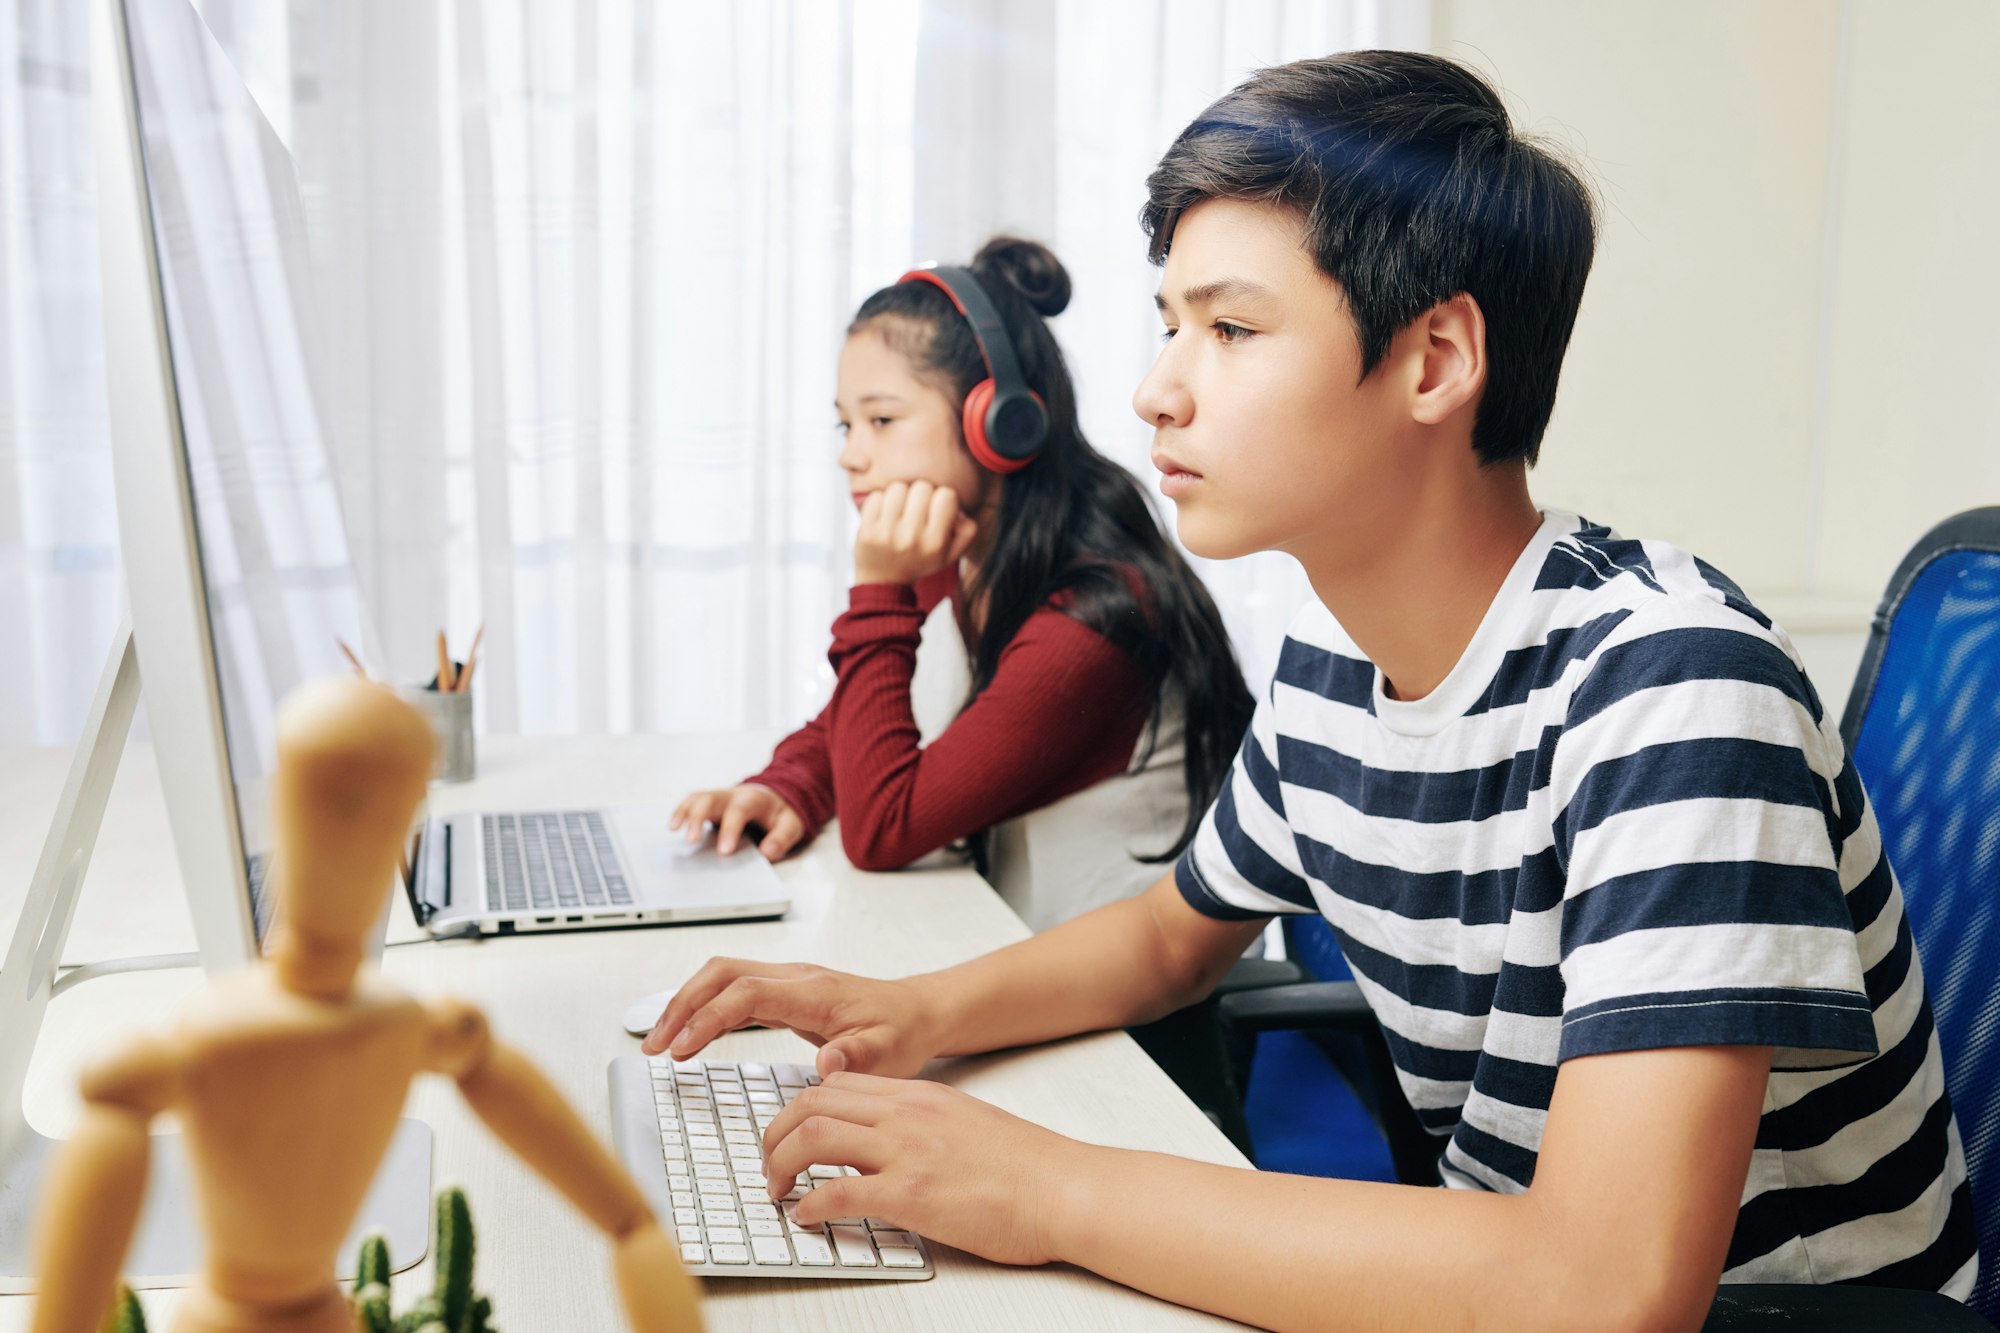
<point x="1030" y="268"/>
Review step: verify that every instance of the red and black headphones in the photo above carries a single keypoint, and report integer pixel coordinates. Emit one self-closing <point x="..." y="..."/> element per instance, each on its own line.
<point x="1005" y="420"/>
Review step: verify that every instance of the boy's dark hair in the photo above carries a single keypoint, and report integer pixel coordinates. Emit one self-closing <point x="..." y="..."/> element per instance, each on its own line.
<point x="1413" y="187"/>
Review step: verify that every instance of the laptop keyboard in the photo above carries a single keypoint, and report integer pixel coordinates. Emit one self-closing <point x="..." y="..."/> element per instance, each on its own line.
<point x="545" y="862"/>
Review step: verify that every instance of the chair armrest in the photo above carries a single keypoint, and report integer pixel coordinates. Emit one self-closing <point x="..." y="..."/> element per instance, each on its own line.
<point x="1313" y="1004"/>
<point x="1770" y="1309"/>
<point x="1260" y="974"/>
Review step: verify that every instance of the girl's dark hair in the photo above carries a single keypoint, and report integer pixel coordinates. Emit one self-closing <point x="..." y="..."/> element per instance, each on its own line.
<point x="1073" y="522"/>
<point x="1414" y="186"/>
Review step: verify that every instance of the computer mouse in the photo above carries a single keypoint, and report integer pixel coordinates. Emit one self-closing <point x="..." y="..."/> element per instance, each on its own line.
<point x="641" y="1014"/>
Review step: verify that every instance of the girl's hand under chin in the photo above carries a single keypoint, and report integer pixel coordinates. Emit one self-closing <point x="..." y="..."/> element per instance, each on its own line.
<point x="910" y="530"/>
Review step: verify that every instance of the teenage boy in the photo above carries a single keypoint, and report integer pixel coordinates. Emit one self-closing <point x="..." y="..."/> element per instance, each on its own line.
<point x="1584" y="831"/>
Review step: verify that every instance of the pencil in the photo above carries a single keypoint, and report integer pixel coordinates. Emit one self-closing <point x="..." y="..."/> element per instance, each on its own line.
<point x="445" y="673"/>
<point x="464" y="681"/>
<point x="359" y="670"/>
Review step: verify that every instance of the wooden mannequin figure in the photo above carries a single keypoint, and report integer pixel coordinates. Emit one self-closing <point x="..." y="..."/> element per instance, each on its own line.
<point x="288" y="1077"/>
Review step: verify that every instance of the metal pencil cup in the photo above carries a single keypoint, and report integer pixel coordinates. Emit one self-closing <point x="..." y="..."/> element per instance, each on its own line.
<point x="450" y="715"/>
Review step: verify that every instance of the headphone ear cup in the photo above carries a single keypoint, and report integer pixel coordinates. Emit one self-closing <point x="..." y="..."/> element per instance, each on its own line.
<point x="974" y="421"/>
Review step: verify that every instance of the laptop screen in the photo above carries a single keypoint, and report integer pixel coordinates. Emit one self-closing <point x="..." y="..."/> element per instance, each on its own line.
<point x="236" y="279"/>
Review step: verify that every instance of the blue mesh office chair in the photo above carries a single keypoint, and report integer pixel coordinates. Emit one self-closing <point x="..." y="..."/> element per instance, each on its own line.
<point x="1923" y="727"/>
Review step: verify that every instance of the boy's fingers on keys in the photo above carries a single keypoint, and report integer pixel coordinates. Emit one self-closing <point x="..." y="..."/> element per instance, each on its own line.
<point x="772" y="1001"/>
<point x="848" y="1196"/>
<point x="856" y="1108"/>
<point x="830" y="1141"/>
<point x="707" y="982"/>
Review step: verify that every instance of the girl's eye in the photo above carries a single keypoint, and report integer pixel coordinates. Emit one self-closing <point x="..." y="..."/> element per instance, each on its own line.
<point x="879" y="422"/>
<point x="840" y="426"/>
<point x="1231" y="333"/>
<point x="1168" y="335"/>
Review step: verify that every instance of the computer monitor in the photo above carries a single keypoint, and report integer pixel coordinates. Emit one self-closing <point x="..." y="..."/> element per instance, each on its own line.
<point x="234" y="558"/>
<point x="230" y="516"/>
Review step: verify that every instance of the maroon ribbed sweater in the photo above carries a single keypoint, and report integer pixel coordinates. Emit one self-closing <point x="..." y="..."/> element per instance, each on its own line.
<point x="1064" y="710"/>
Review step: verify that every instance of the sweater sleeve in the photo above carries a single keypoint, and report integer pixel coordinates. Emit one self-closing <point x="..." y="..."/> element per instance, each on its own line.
<point x="801" y="771"/>
<point x="1065" y="710"/>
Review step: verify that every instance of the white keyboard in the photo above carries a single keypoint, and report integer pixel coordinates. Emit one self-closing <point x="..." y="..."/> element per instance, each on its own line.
<point x="691" y="1132"/>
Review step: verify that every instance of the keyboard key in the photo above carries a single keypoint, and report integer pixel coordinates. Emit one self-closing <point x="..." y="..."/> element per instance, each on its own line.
<point x="685" y="1216"/>
<point x="680" y="1184"/>
<point x="725" y="1236"/>
<point x="771" y="1250"/>
<point x="813" y="1251"/>
<point x="851" y="1244"/>
<point x="885" y="1236"/>
<point x="758" y="1226"/>
<point x="822" y="1171"/>
<point x="743" y="1138"/>
<point x="895" y="1256"/>
<point x="687" y="1235"/>
<point x="730" y="1254"/>
<point x="694" y="1254"/>
<point x="711" y="1171"/>
<point x="683" y="1198"/>
<point x="760" y="1211"/>
<point x="720" y="1219"/>
<point x="751" y="1069"/>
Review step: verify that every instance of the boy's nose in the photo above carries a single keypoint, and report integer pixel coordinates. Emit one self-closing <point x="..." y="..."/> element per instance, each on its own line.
<point x="1161" y="399"/>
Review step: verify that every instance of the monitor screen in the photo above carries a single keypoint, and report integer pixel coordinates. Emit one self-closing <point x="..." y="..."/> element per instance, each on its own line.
<point x="235" y="275"/>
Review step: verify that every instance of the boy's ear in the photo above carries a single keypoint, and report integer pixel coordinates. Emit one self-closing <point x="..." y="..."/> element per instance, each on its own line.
<point x="1452" y="341"/>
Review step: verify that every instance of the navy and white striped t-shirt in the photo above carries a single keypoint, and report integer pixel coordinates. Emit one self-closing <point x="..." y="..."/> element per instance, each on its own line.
<point x="1622" y="822"/>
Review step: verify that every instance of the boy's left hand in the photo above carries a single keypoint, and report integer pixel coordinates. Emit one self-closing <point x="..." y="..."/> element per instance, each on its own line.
<point x="910" y="530"/>
<point x="934" y="1160"/>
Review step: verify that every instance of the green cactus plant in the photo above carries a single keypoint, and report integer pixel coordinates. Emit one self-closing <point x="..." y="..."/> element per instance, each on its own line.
<point x="454" y="1259"/>
<point x="452" y="1306"/>
<point x="125" y="1316"/>
<point x="371" y="1265"/>
<point x="371" y="1308"/>
<point x="423" y="1317"/>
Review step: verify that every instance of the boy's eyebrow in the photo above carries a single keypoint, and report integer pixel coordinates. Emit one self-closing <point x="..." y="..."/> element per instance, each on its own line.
<point x="1222" y="289"/>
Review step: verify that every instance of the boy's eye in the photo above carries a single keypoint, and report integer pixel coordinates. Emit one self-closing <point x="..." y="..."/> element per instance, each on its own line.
<point x="1230" y="333"/>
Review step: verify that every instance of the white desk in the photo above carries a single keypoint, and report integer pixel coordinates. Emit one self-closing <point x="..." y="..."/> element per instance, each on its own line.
<point x="559" y="997"/>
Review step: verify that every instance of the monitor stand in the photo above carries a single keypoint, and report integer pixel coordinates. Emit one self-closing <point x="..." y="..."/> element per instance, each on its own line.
<point x="166" y="1248"/>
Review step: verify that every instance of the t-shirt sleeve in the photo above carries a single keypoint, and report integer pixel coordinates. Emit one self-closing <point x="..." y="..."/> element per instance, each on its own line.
<point x="1243" y="863"/>
<point x="1696" y="825"/>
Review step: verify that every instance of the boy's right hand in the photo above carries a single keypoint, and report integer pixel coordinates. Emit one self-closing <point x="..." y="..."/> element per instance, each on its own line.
<point x="859" y="1024"/>
<point x="734" y="808"/>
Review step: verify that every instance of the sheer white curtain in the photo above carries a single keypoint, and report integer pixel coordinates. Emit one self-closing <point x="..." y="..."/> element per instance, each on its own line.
<point x="584" y="267"/>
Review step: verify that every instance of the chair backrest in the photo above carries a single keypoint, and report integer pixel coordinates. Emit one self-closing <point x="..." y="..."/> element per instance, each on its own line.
<point x="1923" y="726"/>
<point x="1309" y="942"/>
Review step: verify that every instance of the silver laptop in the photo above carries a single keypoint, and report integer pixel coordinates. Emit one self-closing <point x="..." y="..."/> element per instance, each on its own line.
<point x="504" y="873"/>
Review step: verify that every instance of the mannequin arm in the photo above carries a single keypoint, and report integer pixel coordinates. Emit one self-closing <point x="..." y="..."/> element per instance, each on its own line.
<point x="526" y="1112"/>
<point x="90" y="1204"/>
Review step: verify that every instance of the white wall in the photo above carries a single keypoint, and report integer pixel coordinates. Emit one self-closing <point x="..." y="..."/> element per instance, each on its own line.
<point x="1783" y="360"/>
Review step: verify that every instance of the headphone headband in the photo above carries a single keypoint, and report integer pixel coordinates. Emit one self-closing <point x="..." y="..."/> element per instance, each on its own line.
<point x="1005" y="421"/>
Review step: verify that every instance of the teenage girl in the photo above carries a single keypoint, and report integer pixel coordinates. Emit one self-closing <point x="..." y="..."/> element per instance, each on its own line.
<point x="1026" y="668"/>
